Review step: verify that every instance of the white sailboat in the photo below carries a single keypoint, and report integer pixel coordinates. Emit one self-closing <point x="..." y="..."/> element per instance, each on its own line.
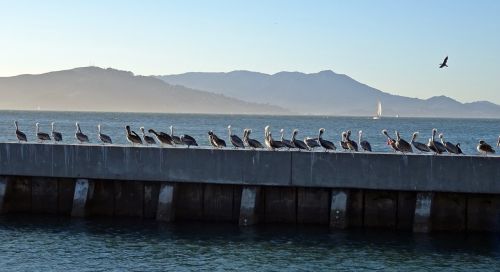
<point x="379" y="111"/>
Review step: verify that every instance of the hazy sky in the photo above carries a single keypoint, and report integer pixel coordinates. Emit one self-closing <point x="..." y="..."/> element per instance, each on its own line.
<point x="395" y="46"/>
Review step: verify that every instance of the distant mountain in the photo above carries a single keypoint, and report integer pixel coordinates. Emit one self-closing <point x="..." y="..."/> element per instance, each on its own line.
<point x="97" y="89"/>
<point x="326" y="93"/>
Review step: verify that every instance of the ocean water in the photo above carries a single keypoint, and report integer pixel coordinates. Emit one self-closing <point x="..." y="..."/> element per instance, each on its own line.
<point x="467" y="132"/>
<point x="37" y="243"/>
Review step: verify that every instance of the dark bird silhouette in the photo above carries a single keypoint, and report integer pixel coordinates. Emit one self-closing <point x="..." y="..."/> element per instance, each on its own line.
<point x="105" y="139"/>
<point x="485" y="148"/>
<point x="365" y="145"/>
<point x="445" y="63"/>
<point x="162" y="137"/>
<point x="270" y="142"/>
<point x="175" y="139"/>
<point x="57" y="136"/>
<point x="216" y="141"/>
<point x="353" y="146"/>
<point x="235" y="140"/>
<point x="402" y="145"/>
<point x="459" y="149"/>
<point x="42" y="136"/>
<point x="434" y="145"/>
<point x="297" y="143"/>
<point x="390" y="141"/>
<point x="133" y="137"/>
<point x="286" y="142"/>
<point x="327" y="145"/>
<point x="251" y="142"/>
<point x="80" y="137"/>
<point x="419" y="146"/>
<point x="21" y="137"/>
<point x="188" y="140"/>
<point x="451" y="148"/>
<point x="311" y="142"/>
<point x="148" y="139"/>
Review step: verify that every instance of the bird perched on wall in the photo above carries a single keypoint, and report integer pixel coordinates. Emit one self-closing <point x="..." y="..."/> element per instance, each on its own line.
<point x="485" y="148"/>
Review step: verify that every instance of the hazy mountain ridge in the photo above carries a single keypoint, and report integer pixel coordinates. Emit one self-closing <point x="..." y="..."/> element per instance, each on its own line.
<point x="326" y="93"/>
<point x="97" y="89"/>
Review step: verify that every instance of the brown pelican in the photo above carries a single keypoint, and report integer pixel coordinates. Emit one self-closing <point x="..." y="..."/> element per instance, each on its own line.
<point x="296" y="143"/>
<point x="364" y="144"/>
<point x="21" y="137"/>
<point x="311" y="142"/>
<point x="148" y="139"/>
<point x="434" y="145"/>
<point x="402" y="145"/>
<point x="390" y="141"/>
<point x="270" y="142"/>
<point x="188" y="140"/>
<point x="327" y="145"/>
<point x="133" y="137"/>
<point x="216" y="141"/>
<point x="459" y="149"/>
<point x="445" y="63"/>
<point x="80" y="137"/>
<point x="485" y="148"/>
<point x="234" y="139"/>
<point x="451" y="148"/>
<point x="105" y="139"/>
<point x="42" y="136"/>
<point x="251" y="142"/>
<point x="419" y="146"/>
<point x="162" y="137"/>
<point x="343" y="142"/>
<point x="57" y="136"/>
<point x="175" y="139"/>
<point x="353" y="146"/>
<point x="286" y="142"/>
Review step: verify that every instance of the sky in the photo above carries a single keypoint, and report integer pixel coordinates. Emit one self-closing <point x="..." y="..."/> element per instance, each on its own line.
<point x="395" y="46"/>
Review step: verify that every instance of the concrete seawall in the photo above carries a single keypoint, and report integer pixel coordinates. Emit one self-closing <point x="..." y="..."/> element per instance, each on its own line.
<point x="414" y="192"/>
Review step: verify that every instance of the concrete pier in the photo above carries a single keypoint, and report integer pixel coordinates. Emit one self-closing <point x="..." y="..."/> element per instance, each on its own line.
<point x="248" y="187"/>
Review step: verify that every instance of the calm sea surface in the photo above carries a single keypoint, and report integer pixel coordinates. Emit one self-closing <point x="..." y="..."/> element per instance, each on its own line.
<point x="55" y="243"/>
<point x="465" y="131"/>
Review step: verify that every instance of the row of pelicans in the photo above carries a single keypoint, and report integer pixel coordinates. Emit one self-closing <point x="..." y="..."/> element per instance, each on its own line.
<point x="397" y="144"/>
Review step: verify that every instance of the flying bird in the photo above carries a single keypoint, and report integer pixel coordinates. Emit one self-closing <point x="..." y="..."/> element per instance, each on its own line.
<point x="444" y="64"/>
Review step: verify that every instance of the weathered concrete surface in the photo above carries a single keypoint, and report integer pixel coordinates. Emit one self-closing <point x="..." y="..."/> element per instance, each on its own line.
<point x="483" y="213"/>
<point x="381" y="171"/>
<point x="66" y="192"/>
<point x="44" y="195"/>
<point x="218" y="202"/>
<point x="129" y="198"/>
<point x="406" y="210"/>
<point x="189" y="201"/>
<point x="151" y="199"/>
<point x="4" y="184"/>
<point x="339" y="209"/>
<point x="355" y="208"/>
<point x="101" y="200"/>
<point x="280" y="204"/>
<point x="449" y="212"/>
<point x="380" y="209"/>
<point x="422" y="220"/>
<point x="165" y="208"/>
<point x="313" y="205"/>
<point x="250" y="203"/>
<point x="19" y="194"/>
<point x="82" y="190"/>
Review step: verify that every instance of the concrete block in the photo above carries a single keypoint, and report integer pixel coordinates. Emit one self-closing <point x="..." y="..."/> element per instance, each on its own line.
<point x="483" y="213"/>
<point x="218" y="202"/>
<point x="189" y="201"/>
<point x="339" y="219"/>
<point x="406" y="210"/>
<point x="44" y="195"/>
<point x="19" y="195"/>
<point x="237" y="190"/>
<point x="82" y="192"/>
<point x="448" y="212"/>
<point x="356" y="208"/>
<point x="129" y="198"/>
<point x="101" y="201"/>
<point x="166" y="208"/>
<point x="249" y="206"/>
<point x="313" y="206"/>
<point x="422" y="216"/>
<point x="66" y="192"/>
<point x="151" y="192"/>
<point x="380" y="209"/>
<point x="4" y="188"/>
<point x="280" y="204"/>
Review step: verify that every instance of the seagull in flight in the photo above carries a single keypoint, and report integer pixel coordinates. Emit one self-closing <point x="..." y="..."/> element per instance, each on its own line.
<point x="444" y="64"/>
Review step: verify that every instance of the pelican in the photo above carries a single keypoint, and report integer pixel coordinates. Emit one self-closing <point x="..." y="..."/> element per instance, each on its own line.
<point x="148" y="139"/>
<point x="270" y="142"/>
<point x="251" y="142"/>
<point x="162" y="137"/>
<point x="215" y="141"/>
<point x="390" y="141"/>
<point x="57" y="136"/>
<point x="459" y="149"/>
<point x="296" y="143"/>
<point x="485" y="148"/>
<point x="419" y="146"/>
<point x="133" y="137"/>
<point x="434" y="145"/>
<point x="105" y="139"/>
<point x="42" y="136"/>
<point x="286" y="142"/>
<point x="176" y="139"/>
<point x="402" y="145"/>
<point x="451" y="148"/>
<point x="445" y="63"/>
<point x="234" y="139"/>
<point x="364" y="144"/>
<point x="80" y="137"/>
<point x="353" y="146"/>
<point x="343" y="142"/>
<point x="311" y="142"/>
<point x="21" y="137"/>
<point x="327" y="145"/>
<point x="188" y="140"/>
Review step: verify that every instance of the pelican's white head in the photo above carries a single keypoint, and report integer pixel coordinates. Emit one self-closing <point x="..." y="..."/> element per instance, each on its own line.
<point x="282" y="130"/>
<point x="440" y="135"/>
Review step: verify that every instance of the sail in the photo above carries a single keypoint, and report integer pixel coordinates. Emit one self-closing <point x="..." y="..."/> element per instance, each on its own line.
<point x="379" y="109"/>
